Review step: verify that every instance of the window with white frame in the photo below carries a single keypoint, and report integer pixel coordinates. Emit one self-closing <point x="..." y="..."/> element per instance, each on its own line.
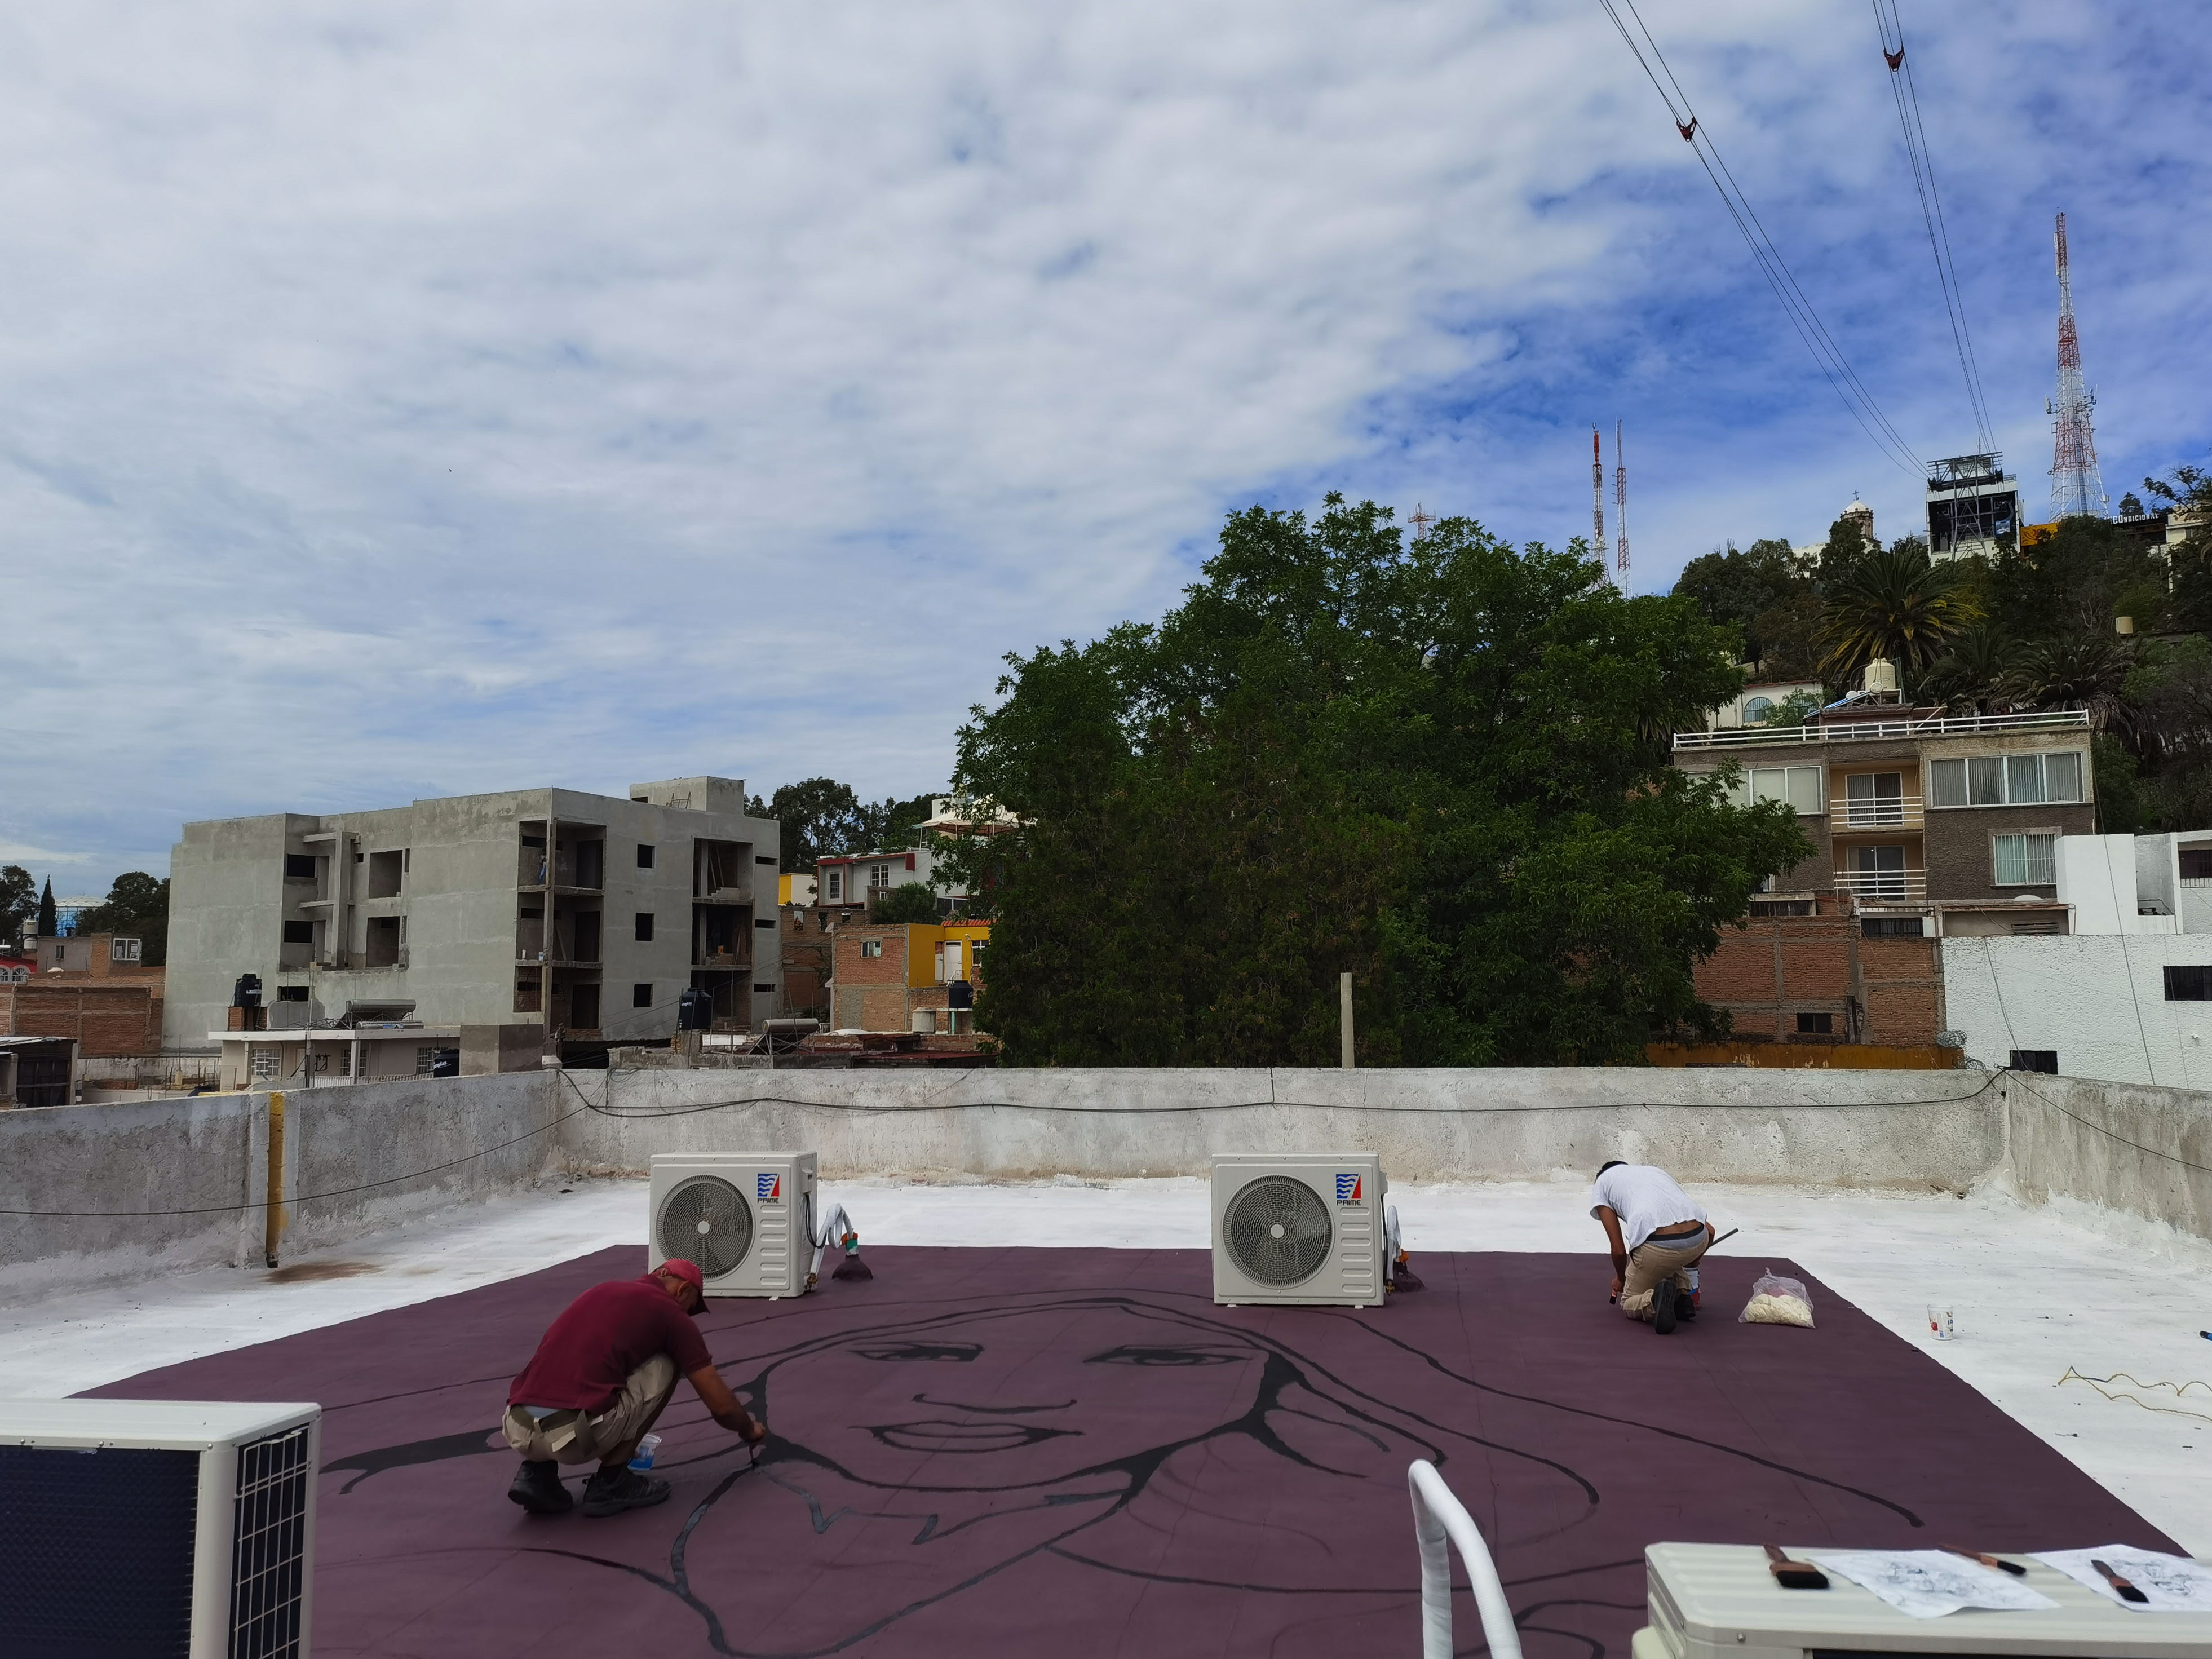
<point x="2005" y="780"/>
<point x="2025" y="860"/>
<point x="837" y="888"/>
<point x="264" y="1063"/>
<point x="1798" y="784"/>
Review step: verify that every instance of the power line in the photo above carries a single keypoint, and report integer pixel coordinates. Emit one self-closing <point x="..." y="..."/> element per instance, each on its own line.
<point x="1907" y="97"/>
<point x="1829" y="356"/>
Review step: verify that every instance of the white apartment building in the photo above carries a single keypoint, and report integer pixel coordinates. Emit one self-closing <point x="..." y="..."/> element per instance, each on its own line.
<point x="585" y="916"/>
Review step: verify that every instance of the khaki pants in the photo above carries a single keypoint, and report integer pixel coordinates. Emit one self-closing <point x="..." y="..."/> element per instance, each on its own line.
<point x="611" y="1436"/>
<point x="1648" y="1264"/>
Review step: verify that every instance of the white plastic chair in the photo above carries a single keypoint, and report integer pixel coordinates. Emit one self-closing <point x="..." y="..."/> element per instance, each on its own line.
<point x="1440" y="1518"/>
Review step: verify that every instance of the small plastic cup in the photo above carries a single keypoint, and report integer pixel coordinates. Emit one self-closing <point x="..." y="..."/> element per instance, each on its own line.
<point x="643" y="1459"/>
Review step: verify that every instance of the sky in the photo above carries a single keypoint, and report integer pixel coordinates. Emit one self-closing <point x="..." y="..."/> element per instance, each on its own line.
<point x="420" y="399"/>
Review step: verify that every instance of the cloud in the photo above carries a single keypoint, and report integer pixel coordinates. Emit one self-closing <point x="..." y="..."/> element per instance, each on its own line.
<point x="412" y="400"/>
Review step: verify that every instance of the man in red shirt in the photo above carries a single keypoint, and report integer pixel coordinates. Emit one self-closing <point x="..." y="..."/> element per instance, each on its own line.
<point x="602" y="1374"/>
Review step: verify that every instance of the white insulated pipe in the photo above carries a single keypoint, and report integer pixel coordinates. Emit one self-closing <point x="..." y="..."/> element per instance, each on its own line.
<point x="1439" y="1520"/>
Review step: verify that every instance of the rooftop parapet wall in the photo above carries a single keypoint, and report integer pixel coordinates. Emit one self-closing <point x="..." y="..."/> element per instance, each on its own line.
<point x="1858" y="1129"/>
<point x="2144" y="1150"/>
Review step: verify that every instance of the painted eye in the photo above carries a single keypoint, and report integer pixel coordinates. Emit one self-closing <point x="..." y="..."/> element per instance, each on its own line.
<point x="1140" y="1356"/>
<point x="895" y="1352"/>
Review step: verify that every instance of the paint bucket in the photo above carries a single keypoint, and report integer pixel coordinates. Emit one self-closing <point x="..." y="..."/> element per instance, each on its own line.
<point x="1697" y="1300"/>
<point x="642" y="1459"/>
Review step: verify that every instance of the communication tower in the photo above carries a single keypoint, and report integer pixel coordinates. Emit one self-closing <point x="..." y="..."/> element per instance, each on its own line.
<point x="1597" y="497"/>
<point x="2076" y="488"/>
<point x="1620" y="508"/>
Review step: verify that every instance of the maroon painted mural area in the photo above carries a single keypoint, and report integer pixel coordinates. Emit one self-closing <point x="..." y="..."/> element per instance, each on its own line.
<point x="1075" y="1453"/>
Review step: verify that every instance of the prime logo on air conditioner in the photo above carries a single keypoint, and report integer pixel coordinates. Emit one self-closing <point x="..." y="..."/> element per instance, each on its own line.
<point x="1347" y="1189"/>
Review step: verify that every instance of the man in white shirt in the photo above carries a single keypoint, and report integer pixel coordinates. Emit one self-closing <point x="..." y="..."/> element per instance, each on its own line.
<point x="1658" y="1232"/>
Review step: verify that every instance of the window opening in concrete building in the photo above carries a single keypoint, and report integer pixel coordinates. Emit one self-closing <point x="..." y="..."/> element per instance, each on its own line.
<point x="299" y="867"/>
<point x="383" y="942"/>
<point x="644" y="856"/>
<point x="2189" y="985"/>
<point x="2024" y="860"/>
<point x="645" y="926"/>
<point x="2196" y="864"/>
<point x="720" y="869"/>
<point x="1782" y="907"/>
<point x="1890" y="928"/>
<point x="584" y="1006"/>
<point x="265" y="1064"/>
<point x="1816" y="1025"/>
<point x="763" y="858"/>
<point x="1873" y="799"/>
<point x="528" y="992"/>
<point x="291" y="993"/>
<point x="837" y="888"/>
<point x="2005" y="780"/>
<point x="765" y="990"/>
<point x="2035" y="1060"/>
<point x="640" y="996"/>
<point x="530" y="932"/>
<point x="530" y="863"/>
<point x="721" y="936"/>
<point x="385" y="870"/>
<point x="299" y="932"/>
<point x="576" y="932"/>
<point x="580" y="861"/>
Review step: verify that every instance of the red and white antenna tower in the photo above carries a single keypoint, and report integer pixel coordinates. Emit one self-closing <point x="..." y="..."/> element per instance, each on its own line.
<point x="2076" y="486"/>
<point x="1620" y="506"/>
<point x="1597" y="497"/>
<point x="1421" y="519"/>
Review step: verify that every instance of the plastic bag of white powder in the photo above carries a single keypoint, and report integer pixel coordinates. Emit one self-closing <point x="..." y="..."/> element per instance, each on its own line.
<point x="1777" y="1301"/>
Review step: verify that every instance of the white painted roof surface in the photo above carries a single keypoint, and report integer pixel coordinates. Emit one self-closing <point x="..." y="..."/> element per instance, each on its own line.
<point x="2033" y="1292"/>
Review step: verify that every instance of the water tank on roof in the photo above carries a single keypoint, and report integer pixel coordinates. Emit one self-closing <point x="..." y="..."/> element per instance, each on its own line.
<point x="1880" y="677"/>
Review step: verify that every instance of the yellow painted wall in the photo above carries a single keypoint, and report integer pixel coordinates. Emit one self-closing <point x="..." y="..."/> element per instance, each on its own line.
<point x="922" y="943"/>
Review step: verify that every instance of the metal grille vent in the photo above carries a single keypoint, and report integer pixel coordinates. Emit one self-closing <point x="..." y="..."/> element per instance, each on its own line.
<point x="267" y="1560"/>
<point x="1277" y="1231"/>
<point x="706" y="1220"/>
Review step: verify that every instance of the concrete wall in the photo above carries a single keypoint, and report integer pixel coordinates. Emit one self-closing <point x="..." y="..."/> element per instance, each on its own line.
<point x="1863" y="1128"/>
<point x="2099" y="1001"/>
<point x="2142" y="1150"/>
<point x="362" y="1159"/>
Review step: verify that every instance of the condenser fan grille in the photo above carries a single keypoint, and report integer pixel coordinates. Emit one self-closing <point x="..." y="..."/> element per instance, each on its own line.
<point x="706" y="1220"/>
<point x="1277" y="1231"/>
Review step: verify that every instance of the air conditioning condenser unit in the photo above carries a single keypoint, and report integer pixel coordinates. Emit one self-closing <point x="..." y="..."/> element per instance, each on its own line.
<point x="182" y="1526"/>
<point x="745" y="1218"/>
<point x="1299" y="1227"/>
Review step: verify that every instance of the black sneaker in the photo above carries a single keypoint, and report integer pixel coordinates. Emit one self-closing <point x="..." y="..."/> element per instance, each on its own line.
<point x="538" y="1488"/>
<point x="612" y="1491"/>
<point x="1685" y="1308"/>
<point x="1662" y="1320"/>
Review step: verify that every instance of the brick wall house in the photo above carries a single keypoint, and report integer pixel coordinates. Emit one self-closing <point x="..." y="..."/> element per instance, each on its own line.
<point x="881" y="977"/>
<point x="106" y="1019"/>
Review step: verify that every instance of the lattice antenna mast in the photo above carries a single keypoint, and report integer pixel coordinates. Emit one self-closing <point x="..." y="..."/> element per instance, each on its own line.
<point x="1620" y="506"/>
<point x="2076" y="486"/>
<point x="1421" y="520"/>
<point x="1597" y="496"/>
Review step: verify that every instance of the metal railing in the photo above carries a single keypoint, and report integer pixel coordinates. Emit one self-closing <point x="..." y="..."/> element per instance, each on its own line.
<point x="1892" y="884"/>
<point x="1877" y="813"/>
<point x="1860" y="731"/>
<point x="1441" y="1521"/>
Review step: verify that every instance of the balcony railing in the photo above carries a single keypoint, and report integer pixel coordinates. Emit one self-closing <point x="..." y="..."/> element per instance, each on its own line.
<point x="1893" y="885"/>
<point x="1858" y="731"/>
<point x="1877" y="813"/>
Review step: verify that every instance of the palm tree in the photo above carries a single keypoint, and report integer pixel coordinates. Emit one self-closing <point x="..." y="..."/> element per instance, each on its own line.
<point x="1967" y="677"/>
<point x="2080" y="670"/>
<point x="1896" y="605"/>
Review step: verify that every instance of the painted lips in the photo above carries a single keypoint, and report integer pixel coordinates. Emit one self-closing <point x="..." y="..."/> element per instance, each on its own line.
<point x="942" y="1435"/>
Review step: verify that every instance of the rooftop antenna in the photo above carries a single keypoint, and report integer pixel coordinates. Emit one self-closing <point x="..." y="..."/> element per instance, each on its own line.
<point x="1619" y="506"/>
<point x="1421" y="520"/>
<point x="1597" y="496"/>
<point x="2076" y="487"/>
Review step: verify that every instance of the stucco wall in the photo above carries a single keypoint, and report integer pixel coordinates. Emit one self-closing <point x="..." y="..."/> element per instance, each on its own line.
<point x="2098" y="1000"/>
<point x="2144" y="1151"/>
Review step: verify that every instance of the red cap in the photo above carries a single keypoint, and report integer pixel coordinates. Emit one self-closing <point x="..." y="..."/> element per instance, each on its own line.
<point x="678" y="1267"/>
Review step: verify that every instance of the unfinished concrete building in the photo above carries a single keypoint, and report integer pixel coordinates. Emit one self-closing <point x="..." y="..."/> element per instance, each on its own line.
<point x="584" y="915"/>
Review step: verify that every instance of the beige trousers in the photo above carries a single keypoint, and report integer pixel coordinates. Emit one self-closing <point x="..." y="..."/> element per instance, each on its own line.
<point x="611" y="1436"/>
<point x="1648" y="1264"/>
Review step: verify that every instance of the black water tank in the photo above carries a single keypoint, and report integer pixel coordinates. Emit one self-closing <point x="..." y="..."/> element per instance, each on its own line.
<point x="246" y="994"/>
<point x="960" y="994"/>
<point x="695" y="1011"/>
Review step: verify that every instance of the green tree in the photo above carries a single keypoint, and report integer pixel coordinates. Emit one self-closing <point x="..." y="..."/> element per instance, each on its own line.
<point x="821" y="818"/>
<point x="1969" y="676"/>
<point x="1745" y="588"/>
<point x="137" y="904"/>
<point x="49" y="923"/>
<point x="1441" y="766"/>
<point x="19" y="901"/>
<point x="908" y="901"/>
<point x="1894" y="604"/>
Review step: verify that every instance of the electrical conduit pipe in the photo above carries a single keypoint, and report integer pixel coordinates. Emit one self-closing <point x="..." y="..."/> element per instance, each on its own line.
<point x="1440" y="1519"/>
